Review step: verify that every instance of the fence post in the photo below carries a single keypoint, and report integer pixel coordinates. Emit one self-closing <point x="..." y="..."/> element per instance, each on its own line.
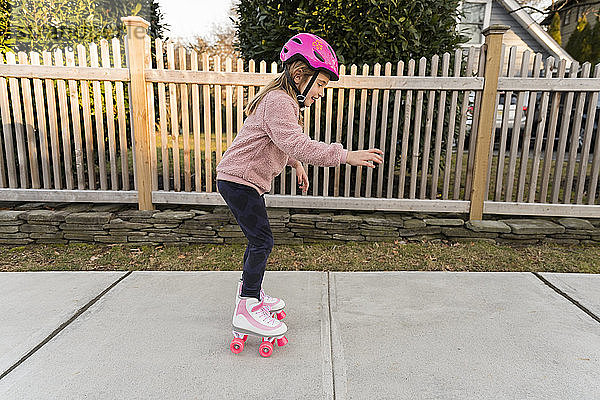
<point x="136" y="32"/>
<point x="493" y="49"/>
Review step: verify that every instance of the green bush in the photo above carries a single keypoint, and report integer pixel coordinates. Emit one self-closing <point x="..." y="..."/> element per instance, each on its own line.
<point x="359" y="31"/>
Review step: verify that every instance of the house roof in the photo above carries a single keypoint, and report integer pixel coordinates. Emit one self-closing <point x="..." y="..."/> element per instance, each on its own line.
<point x="536" y="31"/>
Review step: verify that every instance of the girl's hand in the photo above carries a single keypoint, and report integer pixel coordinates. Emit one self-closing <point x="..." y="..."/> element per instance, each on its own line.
<point x="302" y="177"/>
<point x="364" y="157"/>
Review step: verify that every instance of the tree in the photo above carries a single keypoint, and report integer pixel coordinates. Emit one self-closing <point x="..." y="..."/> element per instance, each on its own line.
<point x="554" y="29"/>
<point x="360" y="31"/>
<point x="222" y="46"/>
<point x="584" y="42"/>
<point x="35" y="25"/>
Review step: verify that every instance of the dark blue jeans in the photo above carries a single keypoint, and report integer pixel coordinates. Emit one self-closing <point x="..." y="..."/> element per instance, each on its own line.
<point x="250" y="211"/>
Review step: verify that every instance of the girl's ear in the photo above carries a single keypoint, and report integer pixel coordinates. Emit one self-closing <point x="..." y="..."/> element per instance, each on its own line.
<point x="297" y="78"/>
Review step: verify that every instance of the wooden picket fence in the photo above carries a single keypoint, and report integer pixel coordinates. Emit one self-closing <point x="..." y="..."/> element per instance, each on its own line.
<point x="423" y="113"/>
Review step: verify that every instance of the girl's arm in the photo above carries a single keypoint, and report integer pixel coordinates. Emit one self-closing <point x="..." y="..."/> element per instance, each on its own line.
<point x="292" y="162"/>
<point x="280" y="121"/>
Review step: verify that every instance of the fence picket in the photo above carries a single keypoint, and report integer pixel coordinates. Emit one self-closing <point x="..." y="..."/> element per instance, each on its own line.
<point x="74" y="102"/>
<point x="516" y="130"/>
<point x="64" y="123"/>
<point x="229" y="105"/>
<point x="53" y="123"/>
<point x="373" y="126"/>
<point x="251" y="69"/>
<point x="349" y="132"/>
<point x="174" y="120"/>
<point x="451" y="126"/>
<point x="30" y="129"/>
<point x="405" y="132"/>
<point x="562" y="138"/>
<point x="185" y="123"/>
<point x="110" y="117"/>
<point x="595" y="171"/>
<point x="574" y="148"/>
<point x="218" y="122"/>
<point x="87" y="120"/>
<point x="417" y="133"/>
<point x="531" y="106"/>
<point x="383" y="133"/>
<point x="328" y="113"/>
<point x="240" y="98"/>
<point x="463" y="128"/>
<point x="38" y="92"/>
<point x="361" y="132"/>
<point x="7" y="126"/>
<point x="99" y="119"/>
<point x="439" y="130"/>
<point x="207" y="127"/>
<point x="163" y="117"/>
<point x="317" y="137"/>
<point x="428" y="128"/>
<point x="19" y="126"/>
<point x="587" y="140"/>
<point x="304" y="165"/>
<point x="196" y="125"/>
<point x="540" y="133"/>
<point x="338" y="135"/>
<point x="395" y="126"/>
<point x="555" y="105"/>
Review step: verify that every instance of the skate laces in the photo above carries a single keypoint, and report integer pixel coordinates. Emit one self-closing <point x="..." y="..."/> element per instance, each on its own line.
<point x="264" y="313"/>
<point x="266" y="297"/>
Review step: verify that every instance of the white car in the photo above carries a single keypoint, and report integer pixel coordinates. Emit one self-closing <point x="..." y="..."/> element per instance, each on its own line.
<point x="500" y="111"/>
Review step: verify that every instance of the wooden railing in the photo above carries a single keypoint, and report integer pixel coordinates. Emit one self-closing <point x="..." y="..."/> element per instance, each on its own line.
<point x="424" y="114"/>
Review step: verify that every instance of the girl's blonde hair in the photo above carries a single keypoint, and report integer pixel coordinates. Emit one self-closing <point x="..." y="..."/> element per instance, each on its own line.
<point x="281" y="82"/>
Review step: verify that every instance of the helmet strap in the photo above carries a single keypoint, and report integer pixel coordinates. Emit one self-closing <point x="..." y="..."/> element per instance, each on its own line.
<point x="301" y="96"/>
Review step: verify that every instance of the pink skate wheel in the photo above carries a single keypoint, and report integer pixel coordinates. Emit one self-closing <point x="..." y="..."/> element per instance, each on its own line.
<point x="265" y="349"/>
<point x="281" y="315"/>
<point x="236" y="346"/>
<point x="282" y="342"/>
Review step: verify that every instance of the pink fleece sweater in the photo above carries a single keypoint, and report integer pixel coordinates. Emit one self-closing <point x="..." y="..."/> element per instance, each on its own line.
<point x="270" y="139"/>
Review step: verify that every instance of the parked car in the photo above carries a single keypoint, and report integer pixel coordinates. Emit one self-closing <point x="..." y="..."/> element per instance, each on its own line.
<point x="570" y="114"/>
<point x="512" y="111"/>
<point x="562" y="113"/>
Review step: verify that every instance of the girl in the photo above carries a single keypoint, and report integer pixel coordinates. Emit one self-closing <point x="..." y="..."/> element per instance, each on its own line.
<point x="270" y="139"/>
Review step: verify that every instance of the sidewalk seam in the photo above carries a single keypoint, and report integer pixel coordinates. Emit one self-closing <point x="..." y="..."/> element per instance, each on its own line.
<point x="330" y="334"/>
<point x="63" y="326"/>
<point x="572" y="300"/>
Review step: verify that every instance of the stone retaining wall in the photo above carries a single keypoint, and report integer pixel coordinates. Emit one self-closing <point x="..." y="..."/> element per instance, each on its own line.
<point x="110" y="224"/>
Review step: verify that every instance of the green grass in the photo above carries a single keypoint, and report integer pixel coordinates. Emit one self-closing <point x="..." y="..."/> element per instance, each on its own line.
<point x="372" y="256"/>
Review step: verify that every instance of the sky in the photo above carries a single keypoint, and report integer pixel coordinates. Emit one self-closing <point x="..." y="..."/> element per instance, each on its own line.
<point x="188" y="18"/>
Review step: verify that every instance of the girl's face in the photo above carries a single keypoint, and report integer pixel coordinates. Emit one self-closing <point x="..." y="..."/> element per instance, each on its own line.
<point x="317" y="90"/>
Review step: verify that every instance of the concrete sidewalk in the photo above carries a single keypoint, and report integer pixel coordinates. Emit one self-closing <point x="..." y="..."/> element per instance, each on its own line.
<point x="381" y="335"/>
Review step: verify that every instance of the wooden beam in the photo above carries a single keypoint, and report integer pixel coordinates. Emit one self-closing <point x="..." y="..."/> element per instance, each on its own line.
<point x="493" y="48"/>
<point x="136" y="32"/>
<point x="346" y="81"/>
<point x="67" y="73"/>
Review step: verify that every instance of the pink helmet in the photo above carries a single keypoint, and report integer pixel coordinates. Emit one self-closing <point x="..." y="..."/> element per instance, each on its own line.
<point x="313" y="50"/>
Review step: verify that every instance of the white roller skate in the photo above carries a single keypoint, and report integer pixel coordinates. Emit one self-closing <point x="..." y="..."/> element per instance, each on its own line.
<point x="274" y="304"/>
<point x="251" y="317"/>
